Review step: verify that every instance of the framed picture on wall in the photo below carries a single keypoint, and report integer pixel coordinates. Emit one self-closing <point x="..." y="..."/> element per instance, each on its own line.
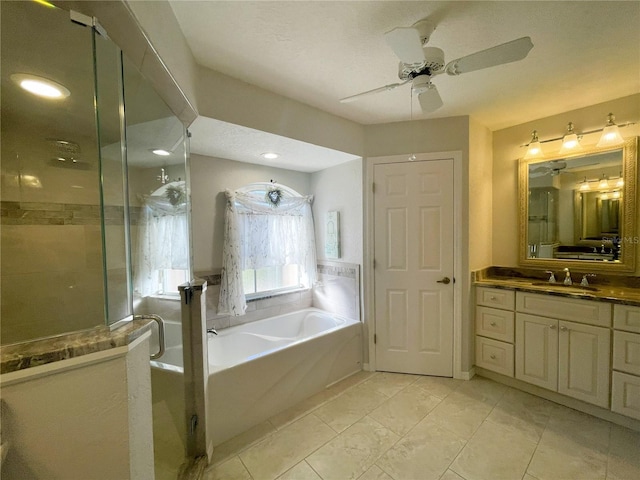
<point x="332" y="235"/>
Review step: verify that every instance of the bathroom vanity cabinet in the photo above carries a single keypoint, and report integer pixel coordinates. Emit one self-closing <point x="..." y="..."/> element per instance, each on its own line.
<point x="495" y="329"/>
<point x="625" y="378"/>
<point x="562" y="344"/>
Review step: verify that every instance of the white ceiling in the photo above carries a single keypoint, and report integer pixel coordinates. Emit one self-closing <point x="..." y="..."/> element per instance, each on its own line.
<point x="316" y="52"/>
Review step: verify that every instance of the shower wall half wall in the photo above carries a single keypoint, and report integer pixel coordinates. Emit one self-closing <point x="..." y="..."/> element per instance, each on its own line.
<point x="75" y="174"/>
<point x="55" y="273"/>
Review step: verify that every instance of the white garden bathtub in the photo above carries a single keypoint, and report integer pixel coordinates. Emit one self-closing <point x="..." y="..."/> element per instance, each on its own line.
<point x="261" y="368"/>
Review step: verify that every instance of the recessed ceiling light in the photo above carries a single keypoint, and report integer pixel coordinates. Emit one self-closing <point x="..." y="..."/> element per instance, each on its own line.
<point x="161" y="152"/>
<point x="40" y="86"/>
<point x="270" y="155"/>
<point x="45" y="3"/>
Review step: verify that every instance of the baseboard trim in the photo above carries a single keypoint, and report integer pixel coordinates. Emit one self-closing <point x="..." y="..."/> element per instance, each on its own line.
<point x="466" y="375"/>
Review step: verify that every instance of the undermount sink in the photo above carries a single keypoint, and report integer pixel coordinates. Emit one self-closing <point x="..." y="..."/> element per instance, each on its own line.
<point x="576" y="287"/>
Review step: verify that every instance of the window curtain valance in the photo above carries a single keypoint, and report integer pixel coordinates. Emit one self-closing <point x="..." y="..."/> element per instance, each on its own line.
<point x="261" y="233"/>
<point x="162" y="238"/>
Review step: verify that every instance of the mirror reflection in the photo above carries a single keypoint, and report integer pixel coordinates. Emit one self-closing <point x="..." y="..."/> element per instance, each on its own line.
<point x="573" y="208"/>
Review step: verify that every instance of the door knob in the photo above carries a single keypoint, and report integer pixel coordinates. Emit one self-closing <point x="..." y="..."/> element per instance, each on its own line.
<point x="445" y="280"/>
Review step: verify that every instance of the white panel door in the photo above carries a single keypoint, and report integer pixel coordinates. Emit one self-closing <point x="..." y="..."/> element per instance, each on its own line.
<point x="413" y="252"/>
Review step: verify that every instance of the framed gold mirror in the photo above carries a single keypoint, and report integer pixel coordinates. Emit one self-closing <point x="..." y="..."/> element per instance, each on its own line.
<point x="579" y="211"/>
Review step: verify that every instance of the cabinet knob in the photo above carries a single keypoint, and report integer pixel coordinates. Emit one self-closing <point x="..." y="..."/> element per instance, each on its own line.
<point x="493" y="324"/>
<point x="552" y="326"/>
<point x="492" y="298"/>
<point x="563" y="329"/>
<point x="492" y="356"/>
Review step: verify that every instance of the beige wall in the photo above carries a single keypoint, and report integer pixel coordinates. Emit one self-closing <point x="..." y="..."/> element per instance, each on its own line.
<point x="507" y="151"/>
<point x="210" y="177"/>
<point x="340" y="189"/>
<point x="158" y="22"/>
<point x="480" y="196"/>
<point x="234" y="101"/>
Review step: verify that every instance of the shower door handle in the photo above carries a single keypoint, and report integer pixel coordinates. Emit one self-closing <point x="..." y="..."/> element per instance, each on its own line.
<point x="158" y="319"/>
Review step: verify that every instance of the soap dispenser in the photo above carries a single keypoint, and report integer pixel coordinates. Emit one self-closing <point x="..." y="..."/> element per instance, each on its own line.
<point x="567" y="277"/>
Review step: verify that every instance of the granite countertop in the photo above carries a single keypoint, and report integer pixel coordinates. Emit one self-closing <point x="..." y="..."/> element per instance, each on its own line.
<point x="623" y="290"/>
<point x="20" y="356"/>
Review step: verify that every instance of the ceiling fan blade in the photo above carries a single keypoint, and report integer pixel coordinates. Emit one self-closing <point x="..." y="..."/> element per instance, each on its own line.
<point x="406" y="44"/>
<point x="430" y="99"/>
<point x="505" y="53"/>
<point x="371" y="92"/>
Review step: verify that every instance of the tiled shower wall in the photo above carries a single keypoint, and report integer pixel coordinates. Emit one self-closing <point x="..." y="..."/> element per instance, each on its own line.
<point x="337" y="291"/>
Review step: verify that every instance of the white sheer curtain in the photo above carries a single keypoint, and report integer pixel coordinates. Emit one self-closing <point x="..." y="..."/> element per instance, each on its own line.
<point x="162" y="241"/>
<point x="261" y="234"/>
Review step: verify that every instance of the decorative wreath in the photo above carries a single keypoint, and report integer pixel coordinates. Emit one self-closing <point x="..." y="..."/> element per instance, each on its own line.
<point x="274" y="196"/>
<point x="175" y="195"/>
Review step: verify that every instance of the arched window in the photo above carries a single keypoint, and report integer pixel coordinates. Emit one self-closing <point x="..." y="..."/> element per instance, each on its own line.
<point x="163" y="242"/>
<point x="269" y="244"/>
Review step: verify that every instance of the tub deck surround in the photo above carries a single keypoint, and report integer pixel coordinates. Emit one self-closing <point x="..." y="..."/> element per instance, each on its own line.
<point x="618" y="289"/>
<point x="20" y="356"/>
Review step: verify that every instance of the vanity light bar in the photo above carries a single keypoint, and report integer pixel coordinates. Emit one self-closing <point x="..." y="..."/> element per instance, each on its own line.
<point x="600" y="183"/>
<point x="607" y="132"/>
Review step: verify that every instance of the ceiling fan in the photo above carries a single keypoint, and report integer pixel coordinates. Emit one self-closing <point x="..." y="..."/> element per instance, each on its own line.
<point x="419" y="63"/>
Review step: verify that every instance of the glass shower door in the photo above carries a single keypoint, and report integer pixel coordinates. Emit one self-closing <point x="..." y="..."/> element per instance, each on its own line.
<point x="159" y="212"/>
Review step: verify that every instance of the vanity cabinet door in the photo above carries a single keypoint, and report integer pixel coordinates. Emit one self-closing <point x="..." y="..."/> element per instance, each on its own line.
<point x="583" y="362"/>
<point x="537" y="350"/>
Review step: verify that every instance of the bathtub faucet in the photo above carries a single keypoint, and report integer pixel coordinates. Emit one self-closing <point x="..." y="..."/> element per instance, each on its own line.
<point x="212" y="330"/>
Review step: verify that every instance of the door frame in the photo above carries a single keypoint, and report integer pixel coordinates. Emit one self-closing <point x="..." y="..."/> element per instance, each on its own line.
<point x="368" y="277"/>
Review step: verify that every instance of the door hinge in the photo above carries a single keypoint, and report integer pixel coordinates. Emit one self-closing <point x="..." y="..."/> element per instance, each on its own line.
<point x="373" y="187"/>
<point x="374" y="263"/>
<point x="375" y="338"/>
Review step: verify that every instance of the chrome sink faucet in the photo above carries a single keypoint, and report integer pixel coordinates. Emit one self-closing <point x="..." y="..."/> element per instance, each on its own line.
<point x="212" y="330"/>
<point x="552" y="277"/>
<point x="584" y="282"/>
<point x="567" y="277"/>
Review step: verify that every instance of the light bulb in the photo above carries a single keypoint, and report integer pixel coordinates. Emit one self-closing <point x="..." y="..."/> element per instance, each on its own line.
<point x="616" y="194"/>
<point x="584" y="186"/>
<point x="604" y="183"/>
<point x="610" y="134"/>
<point x="570" y="142"/>
<point x="535" y="149"/>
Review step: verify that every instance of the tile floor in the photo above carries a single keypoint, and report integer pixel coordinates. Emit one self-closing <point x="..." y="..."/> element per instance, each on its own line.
<point x="386" y="426"/>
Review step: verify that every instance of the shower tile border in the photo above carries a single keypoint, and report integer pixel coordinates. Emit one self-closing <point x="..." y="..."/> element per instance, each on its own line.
<point x="42" y="213"/>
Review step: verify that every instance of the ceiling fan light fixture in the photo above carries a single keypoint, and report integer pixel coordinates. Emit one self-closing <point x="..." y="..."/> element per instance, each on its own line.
<point x="570" y="141"/>
<point x="610" y="134"/>
<point x="535" y="148"/>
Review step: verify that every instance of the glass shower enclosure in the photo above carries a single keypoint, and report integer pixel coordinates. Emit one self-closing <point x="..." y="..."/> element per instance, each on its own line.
<point x="95" y="189"/>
